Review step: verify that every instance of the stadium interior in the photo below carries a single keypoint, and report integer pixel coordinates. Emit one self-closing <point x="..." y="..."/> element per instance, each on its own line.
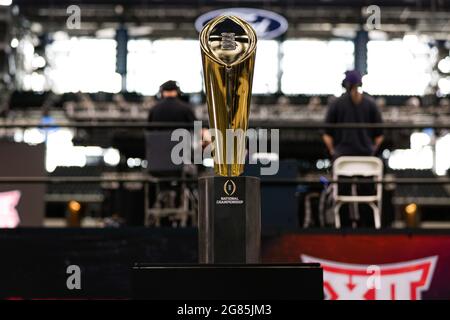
<point x="79" y="78"/>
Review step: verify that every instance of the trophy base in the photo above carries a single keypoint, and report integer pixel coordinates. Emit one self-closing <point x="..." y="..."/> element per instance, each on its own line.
<point x="229" y="220"/>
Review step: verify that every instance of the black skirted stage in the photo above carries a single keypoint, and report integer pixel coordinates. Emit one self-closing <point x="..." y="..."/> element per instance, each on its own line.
<point x="228" y="282"/>
<point x="35" y="262"/>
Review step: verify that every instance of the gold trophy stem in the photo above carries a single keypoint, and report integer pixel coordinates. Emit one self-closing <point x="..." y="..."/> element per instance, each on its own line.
<point x="229" y="105"/>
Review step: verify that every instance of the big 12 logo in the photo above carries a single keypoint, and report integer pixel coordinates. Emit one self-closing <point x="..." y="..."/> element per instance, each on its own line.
<point x="395" y="281"/>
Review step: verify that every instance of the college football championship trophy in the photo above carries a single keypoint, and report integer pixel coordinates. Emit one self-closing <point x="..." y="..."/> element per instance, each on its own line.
<point x="229" y="204"/>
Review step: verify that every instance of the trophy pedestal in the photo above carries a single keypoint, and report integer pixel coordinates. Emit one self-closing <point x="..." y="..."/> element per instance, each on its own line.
<point x="229" y="220"/>
<point x="262" y="282"/>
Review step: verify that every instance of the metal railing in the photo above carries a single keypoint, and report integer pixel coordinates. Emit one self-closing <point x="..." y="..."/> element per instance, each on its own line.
<point x="295" y="125"/>
<point x="154" y="180"/>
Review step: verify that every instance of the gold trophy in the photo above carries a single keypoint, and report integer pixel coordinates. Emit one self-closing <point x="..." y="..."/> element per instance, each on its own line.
<point x="229" y="204"/>
<point x="229" y="207"/>
<point x="228" y="46"/>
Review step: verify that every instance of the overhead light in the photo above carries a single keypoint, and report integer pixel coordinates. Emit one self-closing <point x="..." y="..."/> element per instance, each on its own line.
<point x="418" y="140"/>
<point x="265" y="156"/>
<point x="134" y="162"/>
<point x="33" y="136"/>
<point x="444" y="85"/>
<point x="320" y="164"/>
<point x="444" y="65"/>
<point x="5" y="2"/>
<point x="208" y="162"/>
<point x="14" y="42"/>
<point x="411" y="208"/>
<point x="111" y="157"/>
<point x="38" y="62"/>
<point x="74" y="206"/>
<point x="118" y="9"/>
<point x="36" y="27"/>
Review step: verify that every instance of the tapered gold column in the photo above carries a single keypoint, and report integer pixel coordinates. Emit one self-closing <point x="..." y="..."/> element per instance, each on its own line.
<point x="228" y="46"/>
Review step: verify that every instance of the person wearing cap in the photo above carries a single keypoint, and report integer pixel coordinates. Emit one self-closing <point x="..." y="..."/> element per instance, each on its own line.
<point x="353" y="107"/>
<point x="171" y="108"/>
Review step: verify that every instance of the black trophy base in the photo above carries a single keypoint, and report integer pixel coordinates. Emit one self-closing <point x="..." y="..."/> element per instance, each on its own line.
<point x="227" y="282"/>
<point x="229" y="220"/>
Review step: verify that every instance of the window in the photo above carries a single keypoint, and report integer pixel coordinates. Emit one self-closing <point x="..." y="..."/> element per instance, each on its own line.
<point x="315" y="66"/>
<point x="398" y="67"/>
<point x="151" y="63"/>
<point x="265" y="79"/>
<point x="83" y="64"/>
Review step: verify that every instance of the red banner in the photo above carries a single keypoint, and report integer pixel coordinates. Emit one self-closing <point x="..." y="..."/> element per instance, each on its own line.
<point x="376" y="266"/>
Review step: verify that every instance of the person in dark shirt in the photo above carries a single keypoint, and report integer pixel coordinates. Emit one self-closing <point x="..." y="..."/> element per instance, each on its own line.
<point x="353" y="107"/>
<point x="171" y="108"/>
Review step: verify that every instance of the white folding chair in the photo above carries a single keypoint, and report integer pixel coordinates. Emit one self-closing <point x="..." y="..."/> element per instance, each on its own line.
<point x="358" y="166"/>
